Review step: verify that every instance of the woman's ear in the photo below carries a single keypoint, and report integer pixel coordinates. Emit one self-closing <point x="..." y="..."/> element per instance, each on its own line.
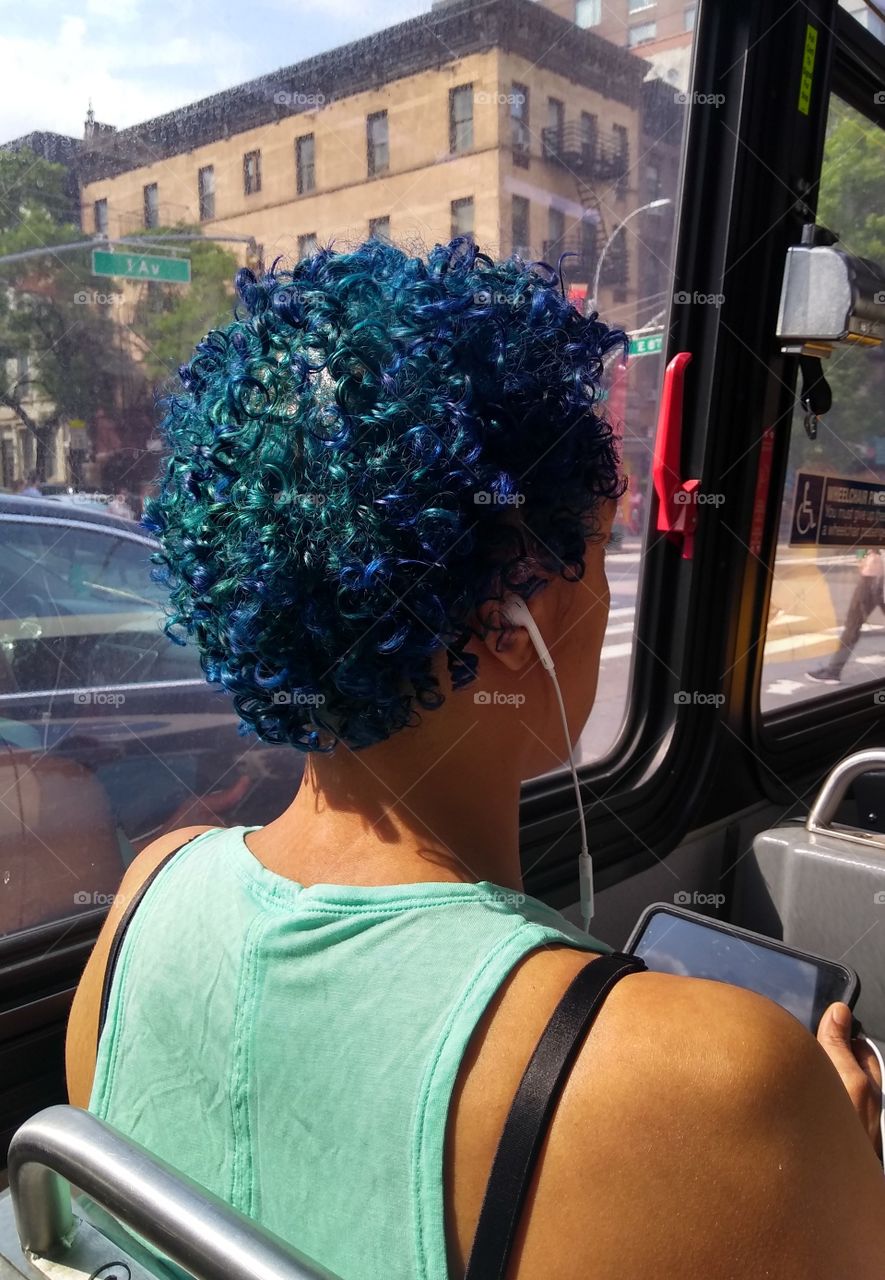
<point x="506" y="642"/>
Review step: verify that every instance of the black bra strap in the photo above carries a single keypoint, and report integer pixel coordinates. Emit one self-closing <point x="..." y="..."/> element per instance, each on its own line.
<point x="117" y="941"/>
<point x="532" y="1109"/>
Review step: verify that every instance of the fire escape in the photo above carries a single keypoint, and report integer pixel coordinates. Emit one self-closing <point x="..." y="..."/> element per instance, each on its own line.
<point x="596" y="165"/>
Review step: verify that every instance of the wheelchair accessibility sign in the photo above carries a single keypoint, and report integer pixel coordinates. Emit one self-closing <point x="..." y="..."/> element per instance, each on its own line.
<point x="831" y="511"/>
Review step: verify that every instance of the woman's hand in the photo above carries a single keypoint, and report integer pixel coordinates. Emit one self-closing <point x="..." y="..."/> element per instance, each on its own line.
<point x="857" y="1066"/>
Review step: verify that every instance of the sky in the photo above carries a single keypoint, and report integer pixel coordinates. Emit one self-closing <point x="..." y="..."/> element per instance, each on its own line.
<point x="139" y="58"/>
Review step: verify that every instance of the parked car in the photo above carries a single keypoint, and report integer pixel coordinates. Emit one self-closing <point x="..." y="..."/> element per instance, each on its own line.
<point x="109" y="733"/>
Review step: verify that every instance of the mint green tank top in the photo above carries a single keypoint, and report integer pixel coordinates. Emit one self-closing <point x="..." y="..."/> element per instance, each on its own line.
<point x="294" y="1049"/>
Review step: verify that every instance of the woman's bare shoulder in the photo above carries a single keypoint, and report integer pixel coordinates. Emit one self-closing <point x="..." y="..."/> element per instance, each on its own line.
<point x="698" y="1130"/>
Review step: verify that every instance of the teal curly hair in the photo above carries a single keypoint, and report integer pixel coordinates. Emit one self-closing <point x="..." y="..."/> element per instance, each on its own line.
<point x="375" y="445"/>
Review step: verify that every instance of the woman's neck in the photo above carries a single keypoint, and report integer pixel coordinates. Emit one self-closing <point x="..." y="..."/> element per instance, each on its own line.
<point x="387" y="816"/>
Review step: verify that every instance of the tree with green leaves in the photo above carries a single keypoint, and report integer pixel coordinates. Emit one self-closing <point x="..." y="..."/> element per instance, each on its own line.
<point x="852" y="204"/>
<point x="74" y="346"/>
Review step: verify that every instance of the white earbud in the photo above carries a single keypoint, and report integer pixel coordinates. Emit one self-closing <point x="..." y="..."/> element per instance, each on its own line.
<point x="515" y="611"/>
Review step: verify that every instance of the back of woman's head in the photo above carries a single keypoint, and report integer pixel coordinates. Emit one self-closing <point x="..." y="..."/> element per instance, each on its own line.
<point x="372" y="448"/>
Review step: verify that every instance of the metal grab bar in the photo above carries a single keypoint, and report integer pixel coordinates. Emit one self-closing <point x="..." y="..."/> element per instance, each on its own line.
<point x="833" y="791"/>
<point x="193" y="1227"/>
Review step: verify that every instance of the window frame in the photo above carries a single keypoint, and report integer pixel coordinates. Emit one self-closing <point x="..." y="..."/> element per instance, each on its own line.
<point x="302" y="187"/>
<point x="520" y="123"/>
<point x="456" y="125"/>
<point x="518" y="245"/>
<point x="463" y="202"/>
<point x="597" y="9"/>
<point x="252" y="172"/>
<point x="150" y="197"/>
<point x="100" y="224"/>
<point x="373" y="168"/>
<point x="206" y="198"/>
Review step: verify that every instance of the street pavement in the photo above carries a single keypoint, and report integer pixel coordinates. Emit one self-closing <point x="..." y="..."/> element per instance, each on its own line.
<point x="810" y="598"/>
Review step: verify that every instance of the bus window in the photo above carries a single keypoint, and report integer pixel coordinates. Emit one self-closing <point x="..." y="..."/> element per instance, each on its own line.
<point x="132" y="215"/>
<point x="826" y="621"/>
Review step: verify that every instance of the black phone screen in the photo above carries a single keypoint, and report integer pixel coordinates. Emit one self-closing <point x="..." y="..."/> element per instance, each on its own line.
<point x="674" y="943"/>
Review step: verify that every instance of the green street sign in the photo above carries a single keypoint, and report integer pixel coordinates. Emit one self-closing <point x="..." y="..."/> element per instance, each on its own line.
<point x="650" y="344"/>
<point x="141" y="266"/>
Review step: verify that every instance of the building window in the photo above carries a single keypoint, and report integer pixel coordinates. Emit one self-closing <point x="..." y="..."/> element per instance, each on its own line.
<point x="206" y="192"/>
<point x="636" y="6"/>
<point x="688" y="16"/>
<point x="100" y="210"/>
<point x="588" y="13"/>
<point x="462" y="217"/>
<point x="622" y="156"/>
<point x="519" y="123"/>
<point x="307" y="244"/>
<point x="652" y="181"/>
<point x="377" y="143"/>
<point x="520" y="223"/>
<point x="305" y="164"/>
<point x="379" y="228"/>
<point x="461" y="118"/>
<point x="252" y="173"/>
<point x="151" y="205"/>
<point x="641" y="34"/>
<point x="553" y="134"/>
<point x="555" y="232"/>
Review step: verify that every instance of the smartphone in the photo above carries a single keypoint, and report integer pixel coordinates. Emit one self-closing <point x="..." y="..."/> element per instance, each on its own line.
<point x="673" y="940"/>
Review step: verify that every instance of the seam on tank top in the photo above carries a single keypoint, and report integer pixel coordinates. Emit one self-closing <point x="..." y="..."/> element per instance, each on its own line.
<point x="325" y="906"/>
<point x="521" y="945"/>
<point x="119" y="1001"/>
<point x="242" y="1179"/>
<point x="418" y="1132"/>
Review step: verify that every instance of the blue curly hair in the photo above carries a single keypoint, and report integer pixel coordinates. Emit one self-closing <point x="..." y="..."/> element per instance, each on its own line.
<point x="374" y="446"/>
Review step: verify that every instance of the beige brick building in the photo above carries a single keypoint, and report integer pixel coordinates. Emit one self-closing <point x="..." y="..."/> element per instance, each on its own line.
<point x="500" y="119"/>
<point x="447" y="124"/>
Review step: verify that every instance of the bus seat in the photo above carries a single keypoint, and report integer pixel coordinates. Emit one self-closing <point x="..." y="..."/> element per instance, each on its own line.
<point x="42" y="1232"/>
<point x="825" y="884"/>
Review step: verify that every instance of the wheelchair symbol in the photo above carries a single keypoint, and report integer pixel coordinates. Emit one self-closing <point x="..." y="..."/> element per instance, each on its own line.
<point x="806" y="521"/>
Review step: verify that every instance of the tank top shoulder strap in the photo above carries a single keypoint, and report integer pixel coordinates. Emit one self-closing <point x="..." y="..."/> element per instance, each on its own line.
<point x="123" y="926"/>
<point x="532" y="1109"/>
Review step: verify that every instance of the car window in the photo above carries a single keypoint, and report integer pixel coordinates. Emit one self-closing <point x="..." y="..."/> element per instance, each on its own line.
<point x="78" y="609"/>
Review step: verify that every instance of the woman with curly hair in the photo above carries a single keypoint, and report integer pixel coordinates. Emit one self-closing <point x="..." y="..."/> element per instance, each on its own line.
<point x="325" y="1019"/>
